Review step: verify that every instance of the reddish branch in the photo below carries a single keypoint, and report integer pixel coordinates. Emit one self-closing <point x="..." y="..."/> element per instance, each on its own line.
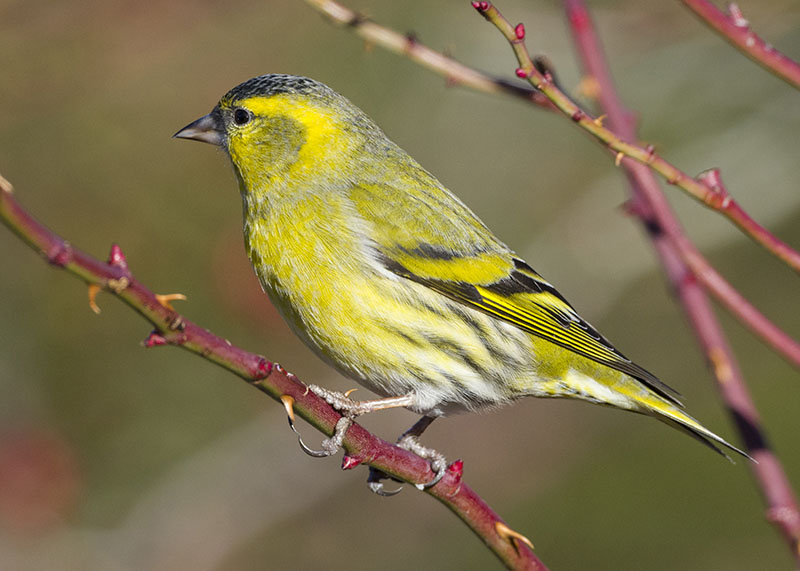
<point x="664" y="229"/>
<point x="686" y="268"/>
<point x="736" y="30"/>
<point x="715" y="198"/>
<point x="454" y="72"/>
<point x="171" y="328"/>
<point x="461" y="74"/>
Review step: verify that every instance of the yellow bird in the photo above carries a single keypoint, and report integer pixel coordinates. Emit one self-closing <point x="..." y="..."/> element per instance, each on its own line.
<point x="390" y="278"/>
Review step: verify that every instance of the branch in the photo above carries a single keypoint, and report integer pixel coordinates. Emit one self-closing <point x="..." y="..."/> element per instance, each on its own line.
<point x="736" y="30"/>
<point x="622" y="122"/>
<point x="454" y="72"/>
<point x="171" y="328"/>
<point x="715" y="198"/>
<point x="672" y="245"/>
<point x="743" y="310"/>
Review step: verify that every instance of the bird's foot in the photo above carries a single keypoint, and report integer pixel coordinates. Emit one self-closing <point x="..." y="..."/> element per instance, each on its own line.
<point x="350" y="409"/>
<point x="409" y="440"/>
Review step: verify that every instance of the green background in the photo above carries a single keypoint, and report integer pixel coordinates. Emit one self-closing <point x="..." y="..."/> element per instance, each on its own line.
<point x="117" y="457"/>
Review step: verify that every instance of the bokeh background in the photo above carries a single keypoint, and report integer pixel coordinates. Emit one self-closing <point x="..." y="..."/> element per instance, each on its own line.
<point x="114" y="457"/>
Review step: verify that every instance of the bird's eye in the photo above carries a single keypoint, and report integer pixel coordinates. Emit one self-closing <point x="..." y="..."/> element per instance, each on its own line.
<point x="241" y="116"/>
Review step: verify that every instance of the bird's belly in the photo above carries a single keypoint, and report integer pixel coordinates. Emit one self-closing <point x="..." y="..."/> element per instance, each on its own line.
<point x="397" y="337"/>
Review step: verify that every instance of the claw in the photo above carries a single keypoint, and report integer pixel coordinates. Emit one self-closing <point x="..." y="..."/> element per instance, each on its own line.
<point x="437" y="460"/>
<point x="288" y="404"/>
<point x="510" y="535"/>
<point x="94" y="289"/>
<point x="308" y="450"/>
<point x="330" y="446"/>
<point x="166" y="298"/>
<point x="375" y="484"/>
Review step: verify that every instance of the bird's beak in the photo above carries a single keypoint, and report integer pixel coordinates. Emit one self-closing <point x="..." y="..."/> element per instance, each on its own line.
<point x="207" y="129"/>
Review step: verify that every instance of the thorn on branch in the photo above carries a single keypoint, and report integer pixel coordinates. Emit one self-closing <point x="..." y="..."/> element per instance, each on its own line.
<point x="6" y="186"/>
<point x="511" y="536"/>
<point x="165" y="299"/>
<point x="94" y="289"/>
<point x="288" y="404"/>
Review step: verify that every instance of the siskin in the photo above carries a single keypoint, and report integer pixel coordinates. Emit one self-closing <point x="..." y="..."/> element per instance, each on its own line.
<point x="391" y="279"/>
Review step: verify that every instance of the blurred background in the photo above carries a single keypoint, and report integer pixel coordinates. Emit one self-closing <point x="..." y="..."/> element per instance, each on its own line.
<point x="114" y="457"/>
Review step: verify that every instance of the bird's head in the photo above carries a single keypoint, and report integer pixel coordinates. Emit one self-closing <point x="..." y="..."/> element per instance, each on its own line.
<point x="275" y="126"/>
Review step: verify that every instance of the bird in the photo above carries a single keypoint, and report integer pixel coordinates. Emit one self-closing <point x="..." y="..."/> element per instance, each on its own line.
<point x="394" y="281"/>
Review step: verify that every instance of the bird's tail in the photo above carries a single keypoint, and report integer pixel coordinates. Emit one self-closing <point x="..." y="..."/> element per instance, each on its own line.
<point x="670" y="414"/>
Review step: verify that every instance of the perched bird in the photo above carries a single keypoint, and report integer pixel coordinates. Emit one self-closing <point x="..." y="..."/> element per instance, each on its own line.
<point x="390" y="278"/>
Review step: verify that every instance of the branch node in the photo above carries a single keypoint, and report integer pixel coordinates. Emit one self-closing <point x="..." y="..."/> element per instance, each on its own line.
<point x="118" y="285"/>
<point x="456" y="470"/>
<point x="411" y="41"/>
<point x="481" y="6"/>
<point x="522" y="73"/>
<point x="263" y="369"/>
<point x="712" y="179"/>
<point x="736" y="15"/>
<point x="519" y="31"/>
<point x="60" y="255"/>
<point x="116" y="258"/>
<point x="176" y="323"/>
<point x="578" y="115"/>
<point x="349" y="462"/>
<point x="155" y="339"/>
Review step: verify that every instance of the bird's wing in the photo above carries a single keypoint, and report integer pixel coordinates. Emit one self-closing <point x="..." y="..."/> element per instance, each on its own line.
<point x="518" y="295"/>
<point x="430" y="237"/>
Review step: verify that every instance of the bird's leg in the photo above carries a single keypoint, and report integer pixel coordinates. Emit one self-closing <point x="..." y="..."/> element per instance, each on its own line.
<point x="409" y="440"/>
<point x="350" y="410"/>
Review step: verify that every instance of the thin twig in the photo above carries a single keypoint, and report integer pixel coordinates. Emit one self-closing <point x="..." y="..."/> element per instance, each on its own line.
<point x="715" y="198"/>
<point x="736" y="30"/>
<point x="171" y="328"/>
<point x="454" y="72"/>
<point x="670" y="241"/>
<point x="750" y="317"/>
